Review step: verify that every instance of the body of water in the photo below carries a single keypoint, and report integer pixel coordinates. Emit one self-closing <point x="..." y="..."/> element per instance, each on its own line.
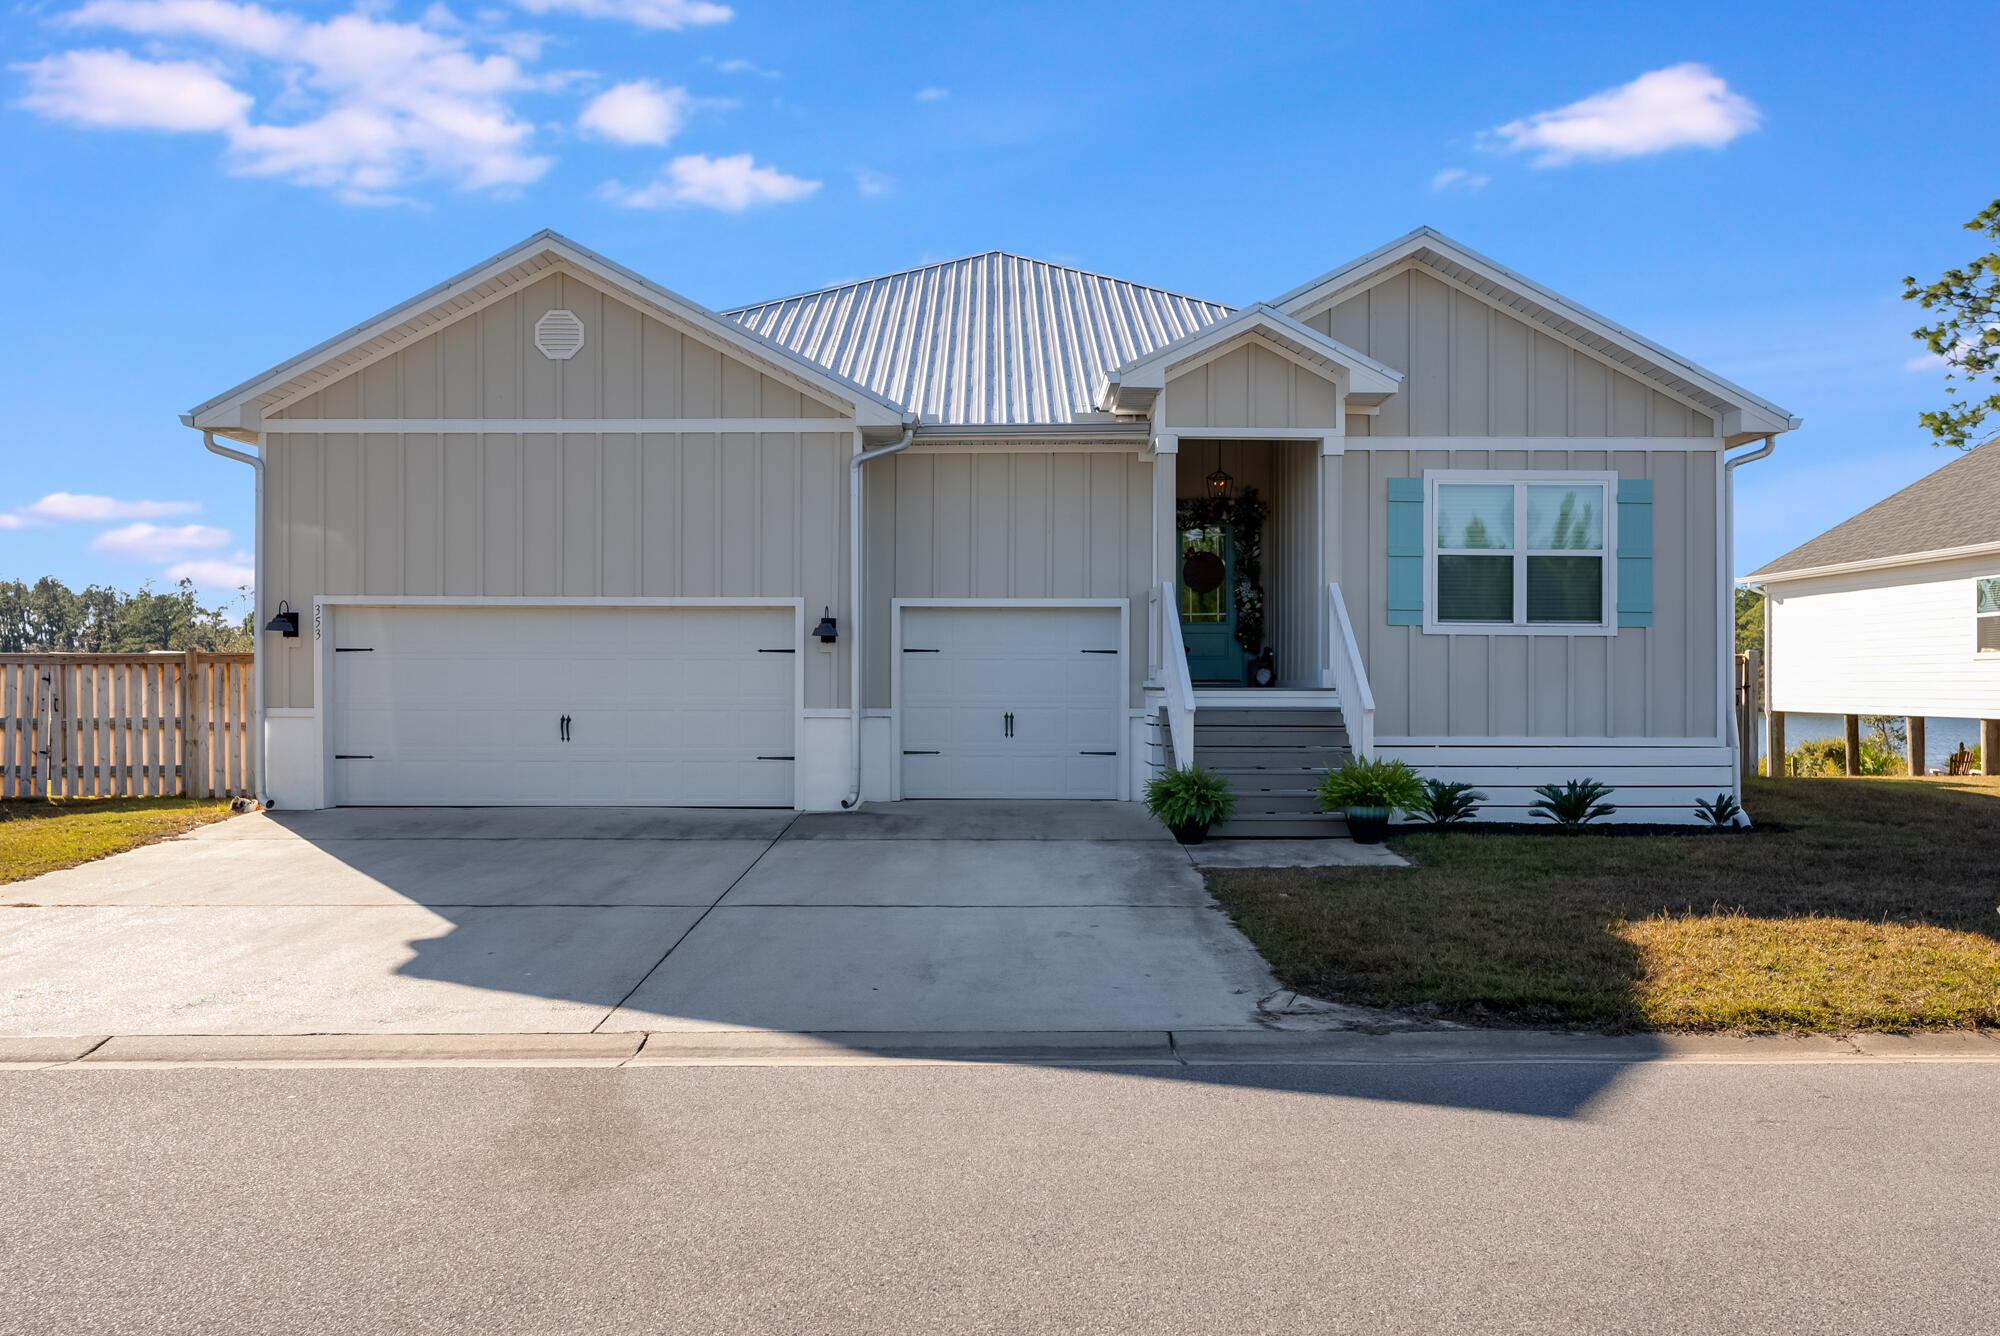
<point x="1942" y="737"/>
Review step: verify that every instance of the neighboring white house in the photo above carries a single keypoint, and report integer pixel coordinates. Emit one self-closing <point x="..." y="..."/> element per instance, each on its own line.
<point x="559" y="535"/>
<point x="1896" y="611"/>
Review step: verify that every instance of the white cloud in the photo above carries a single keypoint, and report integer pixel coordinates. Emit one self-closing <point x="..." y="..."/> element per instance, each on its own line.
<point x="71" y="507"/>
<point x="731" y="184"/>
<point x="151" y="542"/>
<point x="871" y="182"/>
<point x="1681" y="106"/>
<point x="381" y="103"/>
<point x="738" y="65"/>
<point x="1458" y="178"/>
<point x="933" y="94"/>
<point x="112" y="89"/>
<point x="640" y="112"/>
<point x="646" y="13"/>
<point x="234" y="572"/>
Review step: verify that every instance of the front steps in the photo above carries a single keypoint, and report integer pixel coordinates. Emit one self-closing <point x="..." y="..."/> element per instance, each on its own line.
<point x="1274" y="755"/>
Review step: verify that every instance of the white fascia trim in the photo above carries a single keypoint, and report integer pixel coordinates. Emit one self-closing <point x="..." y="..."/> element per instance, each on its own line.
<point x="1942" y="554"/>
<point x="553" y="426"/>
<point x="871" y="409"/>
<point x="1309" y="298"/>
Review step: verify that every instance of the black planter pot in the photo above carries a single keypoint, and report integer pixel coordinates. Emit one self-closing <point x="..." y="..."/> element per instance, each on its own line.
<point x="1190" y="832"/>
<point x="1368" y="825"/>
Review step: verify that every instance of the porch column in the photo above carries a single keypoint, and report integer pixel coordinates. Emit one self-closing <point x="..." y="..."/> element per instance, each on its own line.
<point x="1166" y="523"/>
<point x="1913" y="726"/>
<point x="1332" y="447"/>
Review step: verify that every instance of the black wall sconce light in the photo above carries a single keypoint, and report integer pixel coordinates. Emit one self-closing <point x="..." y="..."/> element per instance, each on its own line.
<point x="828" y="629"/>
<point x="286" y="621"/>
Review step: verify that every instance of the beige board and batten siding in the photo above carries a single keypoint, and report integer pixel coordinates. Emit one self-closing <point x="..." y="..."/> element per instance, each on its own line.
<point x="1249" y="386"/>
<point x="1470" y="369"/>
<point x="486" y="365"/>
<point x="571" y="514"/>
<point x="1009" y="524"/>
<point x="1657" y="681"/>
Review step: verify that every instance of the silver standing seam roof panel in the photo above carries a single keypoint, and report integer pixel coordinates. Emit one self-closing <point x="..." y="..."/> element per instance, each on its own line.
<point x="989" y="339"/>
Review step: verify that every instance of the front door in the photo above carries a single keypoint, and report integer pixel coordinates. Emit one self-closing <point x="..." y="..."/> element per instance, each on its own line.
<point x="1208" y="604"/>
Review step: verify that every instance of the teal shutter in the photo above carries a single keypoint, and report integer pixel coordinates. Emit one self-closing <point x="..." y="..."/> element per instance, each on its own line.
<point x="1406" y="551"/>
<point x="1635" y="552"/>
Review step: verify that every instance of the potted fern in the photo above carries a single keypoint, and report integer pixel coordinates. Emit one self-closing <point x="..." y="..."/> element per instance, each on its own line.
<point x="1188" y="800"/>
<point x="1370" y="792"/>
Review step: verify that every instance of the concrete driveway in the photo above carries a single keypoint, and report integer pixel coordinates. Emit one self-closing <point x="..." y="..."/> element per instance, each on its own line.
<point x="907" y="917"/>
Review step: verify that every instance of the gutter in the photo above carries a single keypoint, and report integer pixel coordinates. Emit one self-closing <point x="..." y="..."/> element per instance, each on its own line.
<point x="856" y="600"/>
<point x="256" y="464"/>
<point x="1727" y="611"/>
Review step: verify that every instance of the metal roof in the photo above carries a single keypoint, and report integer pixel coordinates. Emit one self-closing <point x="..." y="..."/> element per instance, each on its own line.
<point x="991" y="338"/>
<point x="1956" y="507"/>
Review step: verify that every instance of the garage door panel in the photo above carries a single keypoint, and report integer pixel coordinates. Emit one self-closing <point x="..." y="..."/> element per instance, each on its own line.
<point x="989" y="663"/>
<point x="668" y="706"/>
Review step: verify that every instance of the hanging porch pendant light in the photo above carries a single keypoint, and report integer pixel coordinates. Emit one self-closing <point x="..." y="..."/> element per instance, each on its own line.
<point x="1219" y="482"/>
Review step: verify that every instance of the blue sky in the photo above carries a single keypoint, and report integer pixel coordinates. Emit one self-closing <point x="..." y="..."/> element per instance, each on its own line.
<point x="196" y="189"/>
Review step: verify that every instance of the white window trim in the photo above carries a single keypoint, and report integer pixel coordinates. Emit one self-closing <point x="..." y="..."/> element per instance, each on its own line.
<point x="1983" y="655"/>
<point x="1607" y="625"/>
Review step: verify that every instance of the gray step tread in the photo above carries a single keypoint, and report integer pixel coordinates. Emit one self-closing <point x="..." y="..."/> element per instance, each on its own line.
<point x="1229" y="715"/>
<point x="1269" y="737"/>
<point x="1289" y="825"/>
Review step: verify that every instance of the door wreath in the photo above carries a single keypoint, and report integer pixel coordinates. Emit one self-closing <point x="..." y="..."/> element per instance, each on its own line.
<point x="1243" y="516"/>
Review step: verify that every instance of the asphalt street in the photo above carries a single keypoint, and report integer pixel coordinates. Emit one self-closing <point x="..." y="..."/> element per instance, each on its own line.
<point x="1663" y="1197"/>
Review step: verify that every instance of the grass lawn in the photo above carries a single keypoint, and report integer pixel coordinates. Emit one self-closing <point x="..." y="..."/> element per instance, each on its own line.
<point x="38" y="836"/>
<point x="1873" y="905"/>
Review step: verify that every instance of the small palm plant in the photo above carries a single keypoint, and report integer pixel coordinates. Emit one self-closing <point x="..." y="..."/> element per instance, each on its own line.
<point x="1575" y="804"/>
<point x="1188" y="800"/>
<point x="1450" y="804"/>
<point x="1370" y="792"/>
<point x="1721" y="813"/>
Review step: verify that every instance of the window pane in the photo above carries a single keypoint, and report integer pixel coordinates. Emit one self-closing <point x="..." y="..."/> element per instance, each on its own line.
<point x="1568" y="519"/>
<point x="1988" y="594"/>
<point x="1565" y="589"/>
<point x="1475" y="589"/>
<point x="1475" y="515"/>
<point x="1204" y="575"/>
<point x="1989" y="634"/>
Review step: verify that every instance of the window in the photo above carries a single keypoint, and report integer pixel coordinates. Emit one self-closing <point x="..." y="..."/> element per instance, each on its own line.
<point x="1986" y="615"/>
<point x="1527" y="551"/>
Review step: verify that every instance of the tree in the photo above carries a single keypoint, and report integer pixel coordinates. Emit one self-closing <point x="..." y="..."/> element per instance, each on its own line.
<point x="1966" y="336"/>
<point x="48" y="617"/>
<point x="1749" y="620"/>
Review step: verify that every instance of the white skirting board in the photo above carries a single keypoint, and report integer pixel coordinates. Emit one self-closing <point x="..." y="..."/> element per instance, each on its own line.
<point x="1654" y="782"/>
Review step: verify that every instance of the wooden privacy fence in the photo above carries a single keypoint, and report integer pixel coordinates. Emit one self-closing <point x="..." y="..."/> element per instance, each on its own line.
<point x="125" y="725"/>
<point x="1749" y="708"/>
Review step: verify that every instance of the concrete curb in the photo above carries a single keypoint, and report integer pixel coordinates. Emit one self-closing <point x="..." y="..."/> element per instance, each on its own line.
<point x="496" y="1050"/>
<point x="1181" y="1048"/>
<point x="774" y="1048"/>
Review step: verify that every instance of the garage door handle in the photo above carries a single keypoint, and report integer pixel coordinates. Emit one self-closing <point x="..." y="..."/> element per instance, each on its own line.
<point x="920" y="753"/>
<point x="1008" y="723"/>
<point x="1100" y="651"/>
<point x="1109" y="753"/>
<point x="563" y="724"/>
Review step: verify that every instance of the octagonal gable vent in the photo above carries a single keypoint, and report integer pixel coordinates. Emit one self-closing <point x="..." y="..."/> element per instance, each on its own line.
<point x="559" y="334"/>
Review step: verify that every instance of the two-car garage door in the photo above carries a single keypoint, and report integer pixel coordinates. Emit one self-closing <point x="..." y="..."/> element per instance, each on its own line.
<point x="544" y="706"/>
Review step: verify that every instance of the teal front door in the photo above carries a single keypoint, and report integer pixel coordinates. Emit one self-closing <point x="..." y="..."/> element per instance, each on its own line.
<point x="1208" y="605"/>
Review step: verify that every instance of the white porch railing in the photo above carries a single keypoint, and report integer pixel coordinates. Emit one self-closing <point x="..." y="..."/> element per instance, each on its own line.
<point x="1350" y="676"/>
<point x="1174" y="676"/>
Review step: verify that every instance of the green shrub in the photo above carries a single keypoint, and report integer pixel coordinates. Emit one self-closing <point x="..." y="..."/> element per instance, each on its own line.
<point x="1826" y="757"/>
<point x="1189" y="795"/>
<point x="1365" y="783"/>
<point x="1577" y="803"/>
<point x="1449" y="804"/>
<point x="1723" y="811"/>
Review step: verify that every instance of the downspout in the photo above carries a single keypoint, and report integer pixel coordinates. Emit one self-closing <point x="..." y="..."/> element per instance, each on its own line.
<point x="855" y="601"/>
<point x="1729" y="467"/>
<point x="256" y="463"/>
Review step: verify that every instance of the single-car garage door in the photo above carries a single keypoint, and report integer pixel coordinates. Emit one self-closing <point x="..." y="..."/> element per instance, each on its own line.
<point x="1011" y="702"/>
<point x="538" y="706"/>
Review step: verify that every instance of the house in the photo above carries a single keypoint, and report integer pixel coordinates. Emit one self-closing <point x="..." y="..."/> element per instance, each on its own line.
<point x="1895" y="612"/>
<point x="553" y="534"/>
